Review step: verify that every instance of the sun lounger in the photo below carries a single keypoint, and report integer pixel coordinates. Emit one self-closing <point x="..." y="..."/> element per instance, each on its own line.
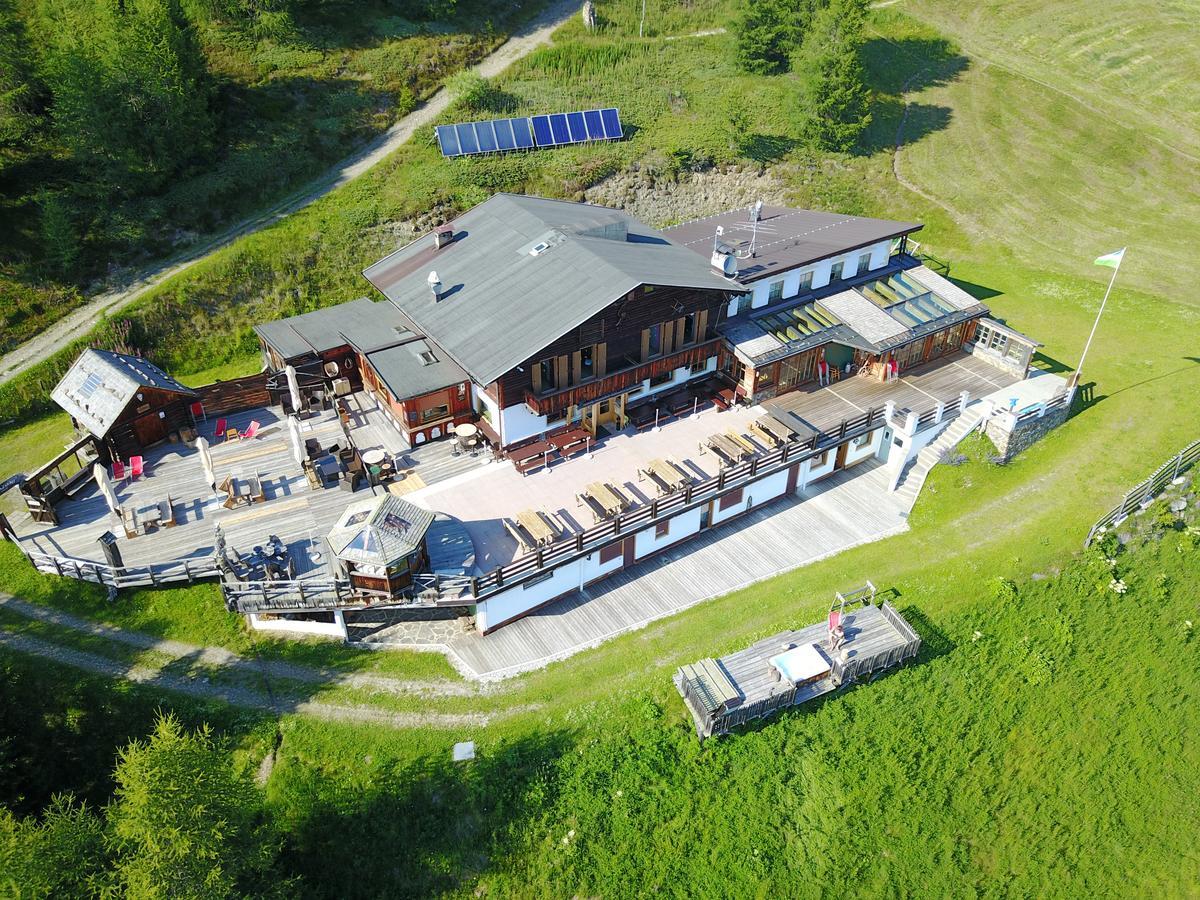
<point x="136" y="464"/>
<point x="251" y="431"/>
<point x="220" y="429"/>
<point x="118" y="470"/>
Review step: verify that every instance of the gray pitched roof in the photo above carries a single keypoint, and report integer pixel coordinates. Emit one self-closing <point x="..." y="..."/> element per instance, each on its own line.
<point x="785" y="238"/>
<point x="523" y="271"/>
<point x="863" y="316"/>
<point x="362" y="323"/>
<point x="379" y="530"/>
<point x="414" y="368"/>
<point x="100" y="384"/>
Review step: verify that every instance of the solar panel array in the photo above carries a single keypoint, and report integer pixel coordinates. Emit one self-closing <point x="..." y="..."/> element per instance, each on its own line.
<point x="554" y="130"/>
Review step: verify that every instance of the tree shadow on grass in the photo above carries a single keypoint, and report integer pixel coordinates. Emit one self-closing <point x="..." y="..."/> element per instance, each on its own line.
<point x="766" y="148"/>
<point x="428" y="828"/>
<point x="896" y="68"/>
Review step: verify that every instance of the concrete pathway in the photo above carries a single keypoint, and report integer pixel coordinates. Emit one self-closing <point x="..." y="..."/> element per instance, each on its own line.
<point x="79" y="322"/>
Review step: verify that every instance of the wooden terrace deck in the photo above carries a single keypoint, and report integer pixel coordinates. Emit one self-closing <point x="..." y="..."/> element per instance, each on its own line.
<point x="918" y="389"/>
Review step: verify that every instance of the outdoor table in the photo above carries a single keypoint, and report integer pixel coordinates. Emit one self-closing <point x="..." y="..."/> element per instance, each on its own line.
<point x="780" y="432"/>
<point x="149" y="516"/>
<point x="465" y="430"/>
<point x="536" y="526"/>
<point x="606" y="497"/>
<point x="725" y="447"/>
<point x="373" y="457"/>
<point x="327" y="466"/>
<point x="670" y="475"/>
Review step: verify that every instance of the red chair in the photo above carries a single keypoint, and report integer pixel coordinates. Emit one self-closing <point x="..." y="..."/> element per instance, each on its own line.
<point x="198" y="415"/>
<point x="135" y="467"/>
<point x="118" y="470"/>
<point x="219" y="431"/>
<point x="251" y="431"/>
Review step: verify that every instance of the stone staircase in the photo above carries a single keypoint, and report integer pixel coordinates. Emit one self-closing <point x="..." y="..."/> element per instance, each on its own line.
<point x="912" y="479"/>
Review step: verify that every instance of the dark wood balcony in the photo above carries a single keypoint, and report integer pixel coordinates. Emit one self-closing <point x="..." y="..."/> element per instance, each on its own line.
<point x="613" y="383"/>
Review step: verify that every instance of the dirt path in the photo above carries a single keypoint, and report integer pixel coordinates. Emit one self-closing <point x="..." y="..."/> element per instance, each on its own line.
<point x="79" y="322"/>
<point x="202" y="689"/>
<point x="220" y="658"/>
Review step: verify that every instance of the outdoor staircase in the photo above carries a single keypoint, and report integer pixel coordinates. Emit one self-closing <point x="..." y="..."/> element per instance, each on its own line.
<point x="912" y="479"/>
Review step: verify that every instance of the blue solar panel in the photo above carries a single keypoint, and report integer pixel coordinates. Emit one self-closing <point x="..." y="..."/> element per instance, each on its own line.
<point x="521" y="133"/>
<point x="466" y="138"/>
<point x="577" y="126"/>
<point x="448" y="140"/>
<point x="612" y="124"/>
<point x="595" y="124"/>
<point x="487" y="137"/>
<point x="558" y="125"/>
<point x="541" y="131"/>
<point x="504" y="134"/>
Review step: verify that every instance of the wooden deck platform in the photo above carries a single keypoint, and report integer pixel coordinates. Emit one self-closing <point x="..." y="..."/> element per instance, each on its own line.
<point x="876" y="638"/>
<point x="918" y="389"/>
<point x="842" y="511"/>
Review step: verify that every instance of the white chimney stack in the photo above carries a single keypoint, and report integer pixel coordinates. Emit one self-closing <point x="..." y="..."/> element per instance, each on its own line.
<point x="435" y="286"/>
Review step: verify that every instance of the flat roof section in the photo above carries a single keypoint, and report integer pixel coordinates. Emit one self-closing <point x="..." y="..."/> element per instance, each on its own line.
<point x="784" y="238"/>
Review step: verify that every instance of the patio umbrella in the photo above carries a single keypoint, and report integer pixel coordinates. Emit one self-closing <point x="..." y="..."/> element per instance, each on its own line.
<point x="206" y="462"/>
<point x="106" y="488"/>
<point x="297" y="442"/>
<point x="293" y="388"/>
<point x="218" y="541"/>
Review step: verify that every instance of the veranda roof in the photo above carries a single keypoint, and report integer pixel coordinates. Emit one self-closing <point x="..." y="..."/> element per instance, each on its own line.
<point x="379" y="530"/>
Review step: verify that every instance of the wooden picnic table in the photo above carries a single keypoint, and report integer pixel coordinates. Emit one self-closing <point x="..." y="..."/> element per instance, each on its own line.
<point x="537" y="448"/>
<point x="607" y="497"/>
<point x="730" y="450"/>
<point x="538" y="528"/>
<point x="774" y="429"/>
<point x="668" y="475"/>
<point x="744" y="442"/>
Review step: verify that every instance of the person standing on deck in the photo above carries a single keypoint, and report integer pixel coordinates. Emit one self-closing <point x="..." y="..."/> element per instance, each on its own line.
<point x="822" y="370"/>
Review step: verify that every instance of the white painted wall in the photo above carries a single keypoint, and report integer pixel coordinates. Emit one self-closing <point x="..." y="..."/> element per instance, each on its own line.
<point x="870" y="449"/>
<point x="336" y="628"/>
<point x="761" y="290"/>
<point x="678" y="377"/>
<point x="753" y="495"/>
<point x="504" y="606"/>
<point x="478" y="397"/>
<point x="591" y="568"/>
<point x="518" y="423"/>
<point x="646" y="542"/>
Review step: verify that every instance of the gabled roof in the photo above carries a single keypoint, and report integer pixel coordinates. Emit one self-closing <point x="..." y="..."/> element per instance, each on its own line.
<point x="784" y="238"/>
<point x="100" y="383"/>
<point x="523" y="271"/>
<point x="414" y="368"/>
<point x="379" y="531"/>
<point x="363" y="324"/>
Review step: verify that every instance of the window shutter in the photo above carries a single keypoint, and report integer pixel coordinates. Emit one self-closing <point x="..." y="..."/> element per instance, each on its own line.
<point x="560" y="371"/>
<point x="600" y="360"/>
<point x="536" y="376"/>
<point x="576" y="366"/>
<point x="701" y="326"/>
<point x="680" y="330"/>
<point x="668" y="338"/>
<point x="645" y="344"/>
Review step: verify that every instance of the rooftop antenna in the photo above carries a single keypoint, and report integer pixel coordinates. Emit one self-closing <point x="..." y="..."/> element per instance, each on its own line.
<point x="435" y="286"/>
<point x="755" y="215"/>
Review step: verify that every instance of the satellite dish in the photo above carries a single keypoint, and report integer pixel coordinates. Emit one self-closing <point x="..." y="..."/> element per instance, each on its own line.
<point x="725" y="262"/>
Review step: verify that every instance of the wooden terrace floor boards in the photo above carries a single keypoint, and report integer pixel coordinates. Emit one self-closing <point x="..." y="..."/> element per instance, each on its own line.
<point x="917" y="390"/>
<point x="836" y="513"/>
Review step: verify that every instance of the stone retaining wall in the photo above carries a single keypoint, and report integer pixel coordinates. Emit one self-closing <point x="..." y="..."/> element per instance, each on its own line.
<point x="1025" y="434"/>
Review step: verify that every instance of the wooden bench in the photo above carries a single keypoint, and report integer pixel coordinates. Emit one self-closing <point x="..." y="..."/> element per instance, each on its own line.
<point x="166" y="509"/>
<point x="524" y="541"/>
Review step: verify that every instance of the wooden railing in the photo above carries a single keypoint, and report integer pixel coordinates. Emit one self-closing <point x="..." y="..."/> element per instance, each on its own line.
<point x="615" y="382"/>
<point x="186" y="570"/>
<point x="1144" y="493"/>
<point x="538" y="563"/>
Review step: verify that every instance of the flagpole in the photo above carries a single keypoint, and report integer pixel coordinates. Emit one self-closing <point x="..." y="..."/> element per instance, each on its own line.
<point x="1099" y="313"/>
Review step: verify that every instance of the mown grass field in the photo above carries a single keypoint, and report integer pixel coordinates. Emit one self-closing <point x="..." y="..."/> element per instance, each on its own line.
<point x="1038" y="747"/>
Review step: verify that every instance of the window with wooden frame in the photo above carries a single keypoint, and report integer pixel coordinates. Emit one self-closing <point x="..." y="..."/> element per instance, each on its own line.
<point x="611" y="552"/>
<point x="835" y="271"/>
<point x="652" y="342"/>
<point x="864" y="263"/>
<point x="776" y="291"/>
<point x="733" y="498"/>
<point x="662" y="529"/>
<point x="434" y="413"/>
<point x="805" y="282"/>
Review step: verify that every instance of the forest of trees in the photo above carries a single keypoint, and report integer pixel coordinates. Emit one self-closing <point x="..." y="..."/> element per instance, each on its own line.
<point x="820" y="41"/>
<point x="113" y="116"/>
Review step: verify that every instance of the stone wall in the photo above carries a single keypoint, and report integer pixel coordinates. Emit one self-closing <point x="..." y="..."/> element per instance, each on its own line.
<point x="1025" y="434"/>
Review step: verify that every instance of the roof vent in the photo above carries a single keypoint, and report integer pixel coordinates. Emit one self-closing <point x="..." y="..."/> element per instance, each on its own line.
<point x="435" y="286"/>
<point x="443" y="235"/>
<point x="539" y="248"/>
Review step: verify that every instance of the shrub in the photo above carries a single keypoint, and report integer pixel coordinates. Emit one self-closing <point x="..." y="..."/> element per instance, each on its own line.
<point x="1004" y="591"/>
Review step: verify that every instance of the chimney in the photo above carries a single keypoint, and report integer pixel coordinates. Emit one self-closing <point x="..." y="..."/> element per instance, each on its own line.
<point x="435" y="286"/>
<point x="443" y="235"/>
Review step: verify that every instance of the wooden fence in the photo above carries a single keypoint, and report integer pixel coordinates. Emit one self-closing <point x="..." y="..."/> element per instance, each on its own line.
<point x="1143" y="494"/>
<point x="185" y="570"/>
<point x="234" y="395"/>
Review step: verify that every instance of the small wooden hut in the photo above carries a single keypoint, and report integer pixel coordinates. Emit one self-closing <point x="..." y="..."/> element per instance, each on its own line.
<point x="380" y="543"/>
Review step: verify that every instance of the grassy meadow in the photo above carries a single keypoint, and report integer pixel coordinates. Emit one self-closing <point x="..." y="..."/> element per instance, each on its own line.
<point x="1036" y="748"/>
